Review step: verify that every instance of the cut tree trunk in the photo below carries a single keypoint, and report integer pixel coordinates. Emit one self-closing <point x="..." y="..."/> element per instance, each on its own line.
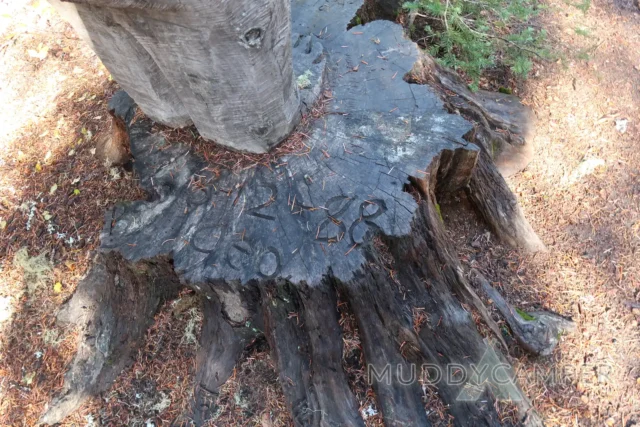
<point x="352" y="211"/>
<point x="128" y="62"/>
<point x="227" y="68"/>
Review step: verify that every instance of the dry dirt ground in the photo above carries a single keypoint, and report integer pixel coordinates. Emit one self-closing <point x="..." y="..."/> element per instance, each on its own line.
<point x="581" y="193"/>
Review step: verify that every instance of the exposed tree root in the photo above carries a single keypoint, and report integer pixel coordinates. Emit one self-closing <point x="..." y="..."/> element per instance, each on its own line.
<point x="498" y="206"/>
<point x="385" y="336"/>
<point x="537" y="332"/>
<point x="113" y="306"/>
<point x="221" y="346"/>
<point x="306" y="340"/>
<point x="425" y="278"/>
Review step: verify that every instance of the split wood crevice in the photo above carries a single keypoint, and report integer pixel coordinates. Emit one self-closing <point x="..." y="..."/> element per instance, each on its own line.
<point x="269" y="247"/>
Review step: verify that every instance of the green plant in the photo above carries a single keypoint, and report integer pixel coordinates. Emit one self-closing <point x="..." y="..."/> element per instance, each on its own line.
<point x="473" y="35"/>
<point x="584" y="5"/>
<point x="526" y="316"/>
<point x="584" y="32"/>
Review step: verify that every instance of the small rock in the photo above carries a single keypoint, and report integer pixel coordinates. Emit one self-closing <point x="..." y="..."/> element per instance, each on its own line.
<point x="265" y="420"/>
<point x="610" y="422"/>
<point x="585" y="168"/>
<point x="621" y="125"/>
<point x="584" y="398"/>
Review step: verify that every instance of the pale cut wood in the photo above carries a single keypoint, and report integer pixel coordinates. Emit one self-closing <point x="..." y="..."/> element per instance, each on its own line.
<point x="127" y="61"/>
<point x="229" y="64"/>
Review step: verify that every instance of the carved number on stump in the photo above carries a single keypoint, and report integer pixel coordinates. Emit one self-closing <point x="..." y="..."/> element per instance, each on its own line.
<point x="274" y="196"/>
<point x="369" y="210"/>
<point x="337" y="206"/>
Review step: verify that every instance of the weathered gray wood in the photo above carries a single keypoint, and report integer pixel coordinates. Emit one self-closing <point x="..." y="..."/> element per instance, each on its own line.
<point x="302" y="327"/>
<point x="299" y="217"/>
<point x="229" y="64"/>
<point x="539" y="334"/>
<point x="503" y="126"/>
<point x="221" y="345"/>
<point x="127" y="61"/>
<point x="495" y="202"/>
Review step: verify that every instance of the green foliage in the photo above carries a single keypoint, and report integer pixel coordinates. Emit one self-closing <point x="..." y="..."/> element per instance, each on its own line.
<point x="473" y="35"/>
<point x="526" y="316"/>
<point x="581" y="31"/>
<point x="584" y="5"/>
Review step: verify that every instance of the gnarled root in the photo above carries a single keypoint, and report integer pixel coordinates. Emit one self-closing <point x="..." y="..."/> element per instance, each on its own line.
<point x="114" y="305"/>
<point x="305" y="337"/>
<point x="538" y="333"/>
<point x="498" y="206"/>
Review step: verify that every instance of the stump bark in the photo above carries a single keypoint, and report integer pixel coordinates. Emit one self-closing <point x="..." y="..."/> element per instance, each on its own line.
<point x="269" y="247"/>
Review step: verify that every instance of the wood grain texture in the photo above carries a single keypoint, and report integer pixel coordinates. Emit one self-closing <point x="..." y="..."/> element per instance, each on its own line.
<point x="539" y="333"/>
<point x="503" y="126"/>
<point x="299" y="218"/>
<point x="113" y="307"/>
<point x="128" y="62"/>
<point x="495" y="202"/>
<point x="306" y="341"/>
<point x="227" y="67"/>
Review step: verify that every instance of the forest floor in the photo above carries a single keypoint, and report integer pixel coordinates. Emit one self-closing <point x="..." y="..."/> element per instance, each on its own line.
<point x="581" y="193"/>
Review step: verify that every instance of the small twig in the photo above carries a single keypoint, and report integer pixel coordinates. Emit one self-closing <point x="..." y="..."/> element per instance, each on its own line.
<point x="504" y="40"/>
<point x="446" y="9"/>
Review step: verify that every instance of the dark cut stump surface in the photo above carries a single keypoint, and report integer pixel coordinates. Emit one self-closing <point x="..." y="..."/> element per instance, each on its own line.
<point x="270" y="246"/>
<point x="297" y="219"/>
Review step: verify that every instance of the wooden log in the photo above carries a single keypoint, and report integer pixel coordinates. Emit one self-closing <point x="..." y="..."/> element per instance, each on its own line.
<point x="229" y="66"/>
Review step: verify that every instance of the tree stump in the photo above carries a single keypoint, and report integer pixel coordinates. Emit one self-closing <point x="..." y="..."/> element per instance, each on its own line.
<point x="280" y="239"/>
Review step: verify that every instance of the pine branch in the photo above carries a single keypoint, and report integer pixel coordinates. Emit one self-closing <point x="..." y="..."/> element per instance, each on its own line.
<point x="504" y="40"/>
